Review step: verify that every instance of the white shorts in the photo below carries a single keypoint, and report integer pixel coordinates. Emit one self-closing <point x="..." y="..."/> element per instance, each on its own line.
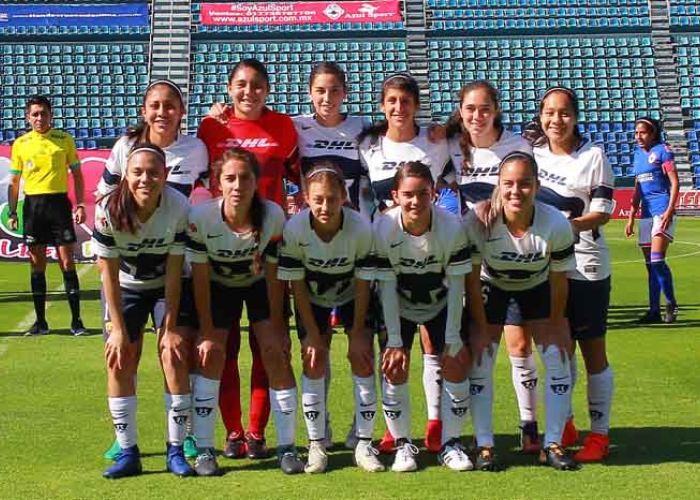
<point x="651" y="226"/>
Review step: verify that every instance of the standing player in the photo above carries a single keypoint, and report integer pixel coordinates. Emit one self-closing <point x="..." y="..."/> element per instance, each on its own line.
<point x="421" y="257"/>
<point x="478" y="142"/>
<point x="384" y="147"/>
<point x="523" y="252"/>
<point x="576" y="178"/>
<point x="43" y="157"/>
<point x="233" y="249"/>
<point x="656" y="189"/>
<point x="186" y="159"/>
<point x="271" y="137"/>
<point x="139" y="239"/>
<point x="326" y="257"/>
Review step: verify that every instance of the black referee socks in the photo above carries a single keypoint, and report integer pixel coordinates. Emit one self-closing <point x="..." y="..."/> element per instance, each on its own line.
<point x="70" y="281"/>
<point x="38" y="281"/>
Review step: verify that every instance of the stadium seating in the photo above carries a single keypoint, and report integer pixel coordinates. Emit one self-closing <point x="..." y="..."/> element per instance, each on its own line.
<point x="95" y="88"/>
<point x="684" y="14"/>
<point x="688" y="59"/>
<point x="367" y="63"/>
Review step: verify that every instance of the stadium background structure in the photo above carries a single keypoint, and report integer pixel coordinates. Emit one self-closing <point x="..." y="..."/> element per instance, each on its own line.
<point x="623" y="58"/>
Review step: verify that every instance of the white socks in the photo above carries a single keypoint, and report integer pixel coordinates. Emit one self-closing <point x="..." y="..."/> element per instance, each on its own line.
<point x="313" y="401"/>
<point x="454" y="408"/>
<point x="431" y="385"/>
<point x="600" y="393"/>
<point x="481" y="401"/>
<point x="179" y="410"/>
<point x="557" y="392"/>
<point x="524" y="374"/>
<point x="397" y="409"/>
<point x="573" y="363"/>
<point x="123" y="412"/>
<point x="284" y="410"/>
<point x="205" y="402"/>
<point x="365" y="405"/>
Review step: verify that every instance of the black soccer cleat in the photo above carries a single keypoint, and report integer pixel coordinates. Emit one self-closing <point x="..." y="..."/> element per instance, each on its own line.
<point x="555" y="456"/>
<point x="650" y="318"/>
<point x="486" y="459"/>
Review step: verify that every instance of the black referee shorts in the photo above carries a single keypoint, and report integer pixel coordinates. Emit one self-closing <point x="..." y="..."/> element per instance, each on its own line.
<point x="48" y="220"/>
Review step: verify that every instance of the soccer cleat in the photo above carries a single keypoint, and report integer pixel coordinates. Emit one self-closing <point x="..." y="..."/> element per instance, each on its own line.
<point x="486" y="459"/>
<point x="569" y="437"/>
<point x="205" y="463"/>
<point x="78" y="330"/>
<point x="317" y="461"/>
<point x="595" y="448"/>
<point x="529" y="438"/>
<point x="127" y="463"/>
<point x="351" y="439"/>
<point x="365" y="456"/>
<point x="433" y="436"/>
<point x="37" y="329"/>
<point x="289" y="460"/>
<point x="650" y="317"/>
<point x="190" y="447"/>
<point x="555" y="456"/>
<point x="256" y="447"/>
<point x="113" y="452"/>
<point x="671" y="313"/>
<point x="404" y="460"/>
<point x="236" y="446"/>
<point x="453" y="456"/>
<point x="175" y="461"/>
<point x="387" y="445"/>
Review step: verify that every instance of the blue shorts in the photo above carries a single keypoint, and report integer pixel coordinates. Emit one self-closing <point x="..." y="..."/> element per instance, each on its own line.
<point x="137" y="306"/>
<point x="322" y="316"/>
<point x="532" y="304"/>
<point x="587" y="308"/>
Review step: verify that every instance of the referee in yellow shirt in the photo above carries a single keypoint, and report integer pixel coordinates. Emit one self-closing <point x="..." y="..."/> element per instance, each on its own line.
<point x="42" y="157"/>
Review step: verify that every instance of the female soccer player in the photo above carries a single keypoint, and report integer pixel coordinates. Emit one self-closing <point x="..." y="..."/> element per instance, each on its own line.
<point x="478" y="142"/>
<point x="576" y="178"/>
<point x="656" y="189"/>
<point x="43" y="158"/>
<point x="233" y="249"/>
<point x="139" y="238"/>
<point x="326" y="257"/>
<point x="271" y="137"/>
<point x="384" y="147"/>
<point x="421" y="257"/>
<point x="522" y="253"/>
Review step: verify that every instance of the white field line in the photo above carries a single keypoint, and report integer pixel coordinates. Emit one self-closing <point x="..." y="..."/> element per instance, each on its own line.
<point x="668" y="257"/>
<point x="29" y="318"/>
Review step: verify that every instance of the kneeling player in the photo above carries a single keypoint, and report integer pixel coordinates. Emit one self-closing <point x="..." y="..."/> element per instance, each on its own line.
<point x="421" y="257"/>
<point x="139" y="239"/>
<point x="232" y="244"/>
<point x="523" y="251"/>
<point x="326" y="257"/>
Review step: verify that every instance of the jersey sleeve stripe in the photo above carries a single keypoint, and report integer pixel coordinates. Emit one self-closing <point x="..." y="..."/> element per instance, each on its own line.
<point x="181" y="237"/>
<point x="74" y="166"/>
<point x="110" y="178"/>
<point x="290" y="263"/>
<point x="103" y="239"/>
<point x="563" y="254"/>
<point x="603" y="192"/>
<point x="195" y="245"/>
<point x="459" y="257"/>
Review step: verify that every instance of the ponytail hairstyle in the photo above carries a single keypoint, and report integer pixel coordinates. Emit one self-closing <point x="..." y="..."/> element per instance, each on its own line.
<point x="121" y="205"/>
<point x="533" y="132"/>
<point x="455" y="125"/>
<point x="325" y="171"/>
<point x="495" y="204"/>
<point x="652" y="124"/>
<point x="257" y="208"/>
<point x="400" y="81"/>
<point x="139" y="132"/>
<point x="328" y="68"/>
<point x="412" y="169"/>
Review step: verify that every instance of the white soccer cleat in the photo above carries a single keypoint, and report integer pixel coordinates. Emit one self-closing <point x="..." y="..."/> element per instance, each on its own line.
<point x="366" y="457"/>
<point x="404" y="460"/>
<point x="317" y="460"/>
<point x="454" y="457"/>
<point x="351" y="439"/>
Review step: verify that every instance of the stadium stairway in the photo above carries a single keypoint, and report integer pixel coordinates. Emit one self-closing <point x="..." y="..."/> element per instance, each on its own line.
<point x="170" y="42"/>
<point x="417" y="49"/>
<point x="669" y="89"/>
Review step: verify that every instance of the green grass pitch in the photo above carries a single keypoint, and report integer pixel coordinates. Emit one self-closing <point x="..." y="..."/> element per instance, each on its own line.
<point x="54" y="424"/>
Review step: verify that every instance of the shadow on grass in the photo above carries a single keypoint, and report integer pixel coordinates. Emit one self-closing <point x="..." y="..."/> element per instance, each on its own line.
<point x="625" y="317"/>
<point x="54" y="331"/>
<point x="26" y="296"/>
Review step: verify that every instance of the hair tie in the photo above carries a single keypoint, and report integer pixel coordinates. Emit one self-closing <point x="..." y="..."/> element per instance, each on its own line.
<point x="167" y="82"/>
<point x="139" y="149"/>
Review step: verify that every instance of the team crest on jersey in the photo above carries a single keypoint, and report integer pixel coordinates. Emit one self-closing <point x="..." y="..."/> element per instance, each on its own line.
<point x="653" y="157"/>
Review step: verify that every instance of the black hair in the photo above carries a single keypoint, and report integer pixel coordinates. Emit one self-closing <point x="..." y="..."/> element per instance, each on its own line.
<point x="330" y="68"/>
<point x="400" y="81"/>
<point x="141" y="129"/>
<point x="38" y="100"/>
<point x="533" y="131"/>
<point x="655" y="126"/>
<point x="413" y="169"/>
<point x="253" y="64"/>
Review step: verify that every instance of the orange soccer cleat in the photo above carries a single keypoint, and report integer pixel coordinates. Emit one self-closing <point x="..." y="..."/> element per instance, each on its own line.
<point x="433" y="436"/>
<point x="569" y="437"/>
<point x="387" y="445"/>
<point x="595" y="448"/>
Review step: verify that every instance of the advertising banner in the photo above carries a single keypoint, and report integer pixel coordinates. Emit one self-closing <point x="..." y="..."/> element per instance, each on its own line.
<point x="688" y="203"/>
<point x="250" y="13"/>
<point x="37" y="14"/>
<point x="12" y="246"/>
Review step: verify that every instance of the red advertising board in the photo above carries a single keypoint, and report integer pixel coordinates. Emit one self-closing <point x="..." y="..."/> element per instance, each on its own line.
<point x="688" y="203"/>
<point x="250" y="13"/>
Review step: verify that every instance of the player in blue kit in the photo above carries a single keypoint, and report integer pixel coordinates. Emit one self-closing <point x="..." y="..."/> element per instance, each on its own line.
<point x="656" y="190"/>
<point x="139" y="239"/>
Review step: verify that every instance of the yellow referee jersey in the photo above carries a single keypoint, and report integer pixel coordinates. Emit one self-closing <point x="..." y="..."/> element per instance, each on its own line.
<point x="43" y="160"/>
